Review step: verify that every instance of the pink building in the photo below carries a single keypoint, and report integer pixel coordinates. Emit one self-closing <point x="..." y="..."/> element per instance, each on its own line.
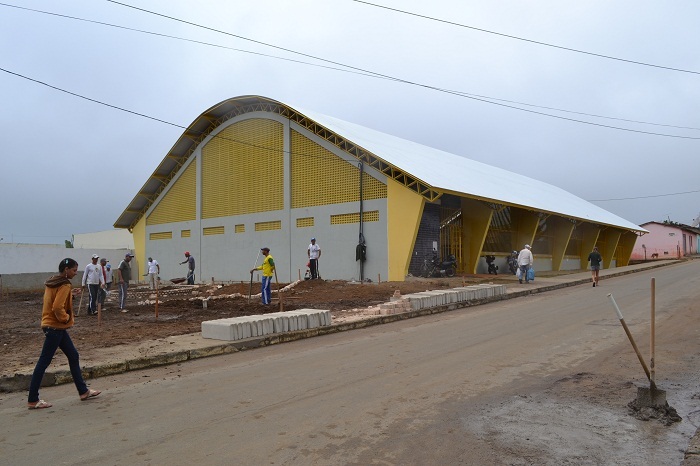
<point x="666" y="241"/>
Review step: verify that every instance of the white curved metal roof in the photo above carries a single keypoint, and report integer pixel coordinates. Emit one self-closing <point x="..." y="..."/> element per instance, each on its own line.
<point x="447" y="171"/>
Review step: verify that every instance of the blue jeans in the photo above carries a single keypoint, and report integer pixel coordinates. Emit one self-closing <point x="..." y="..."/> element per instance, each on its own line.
<point x="94" y="296"/>
<point x="266" y="291"/>
<point x="55" y="339"/>
<point x="523" y="273"/>
<point x="123" y="288"/>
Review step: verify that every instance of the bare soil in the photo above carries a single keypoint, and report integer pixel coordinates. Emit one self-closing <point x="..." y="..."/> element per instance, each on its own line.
<point x="180" y="311"/>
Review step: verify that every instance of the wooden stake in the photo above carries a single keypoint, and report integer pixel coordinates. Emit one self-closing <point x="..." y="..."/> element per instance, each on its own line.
<point x="279" y="295"/>
<point x="157" y="296"/>
<point x="81" y="301"/>
<point x="652" y="364"/>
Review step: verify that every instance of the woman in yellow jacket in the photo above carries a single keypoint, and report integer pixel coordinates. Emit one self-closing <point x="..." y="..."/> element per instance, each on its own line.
<point x="56" y="319"/>
<point x="268" y="269"/>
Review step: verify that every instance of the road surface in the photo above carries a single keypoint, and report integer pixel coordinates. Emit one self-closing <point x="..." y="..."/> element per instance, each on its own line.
<point x="539" y="380"/>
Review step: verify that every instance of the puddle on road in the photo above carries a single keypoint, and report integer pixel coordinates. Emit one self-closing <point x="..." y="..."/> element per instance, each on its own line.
<point x="547" y="430"/>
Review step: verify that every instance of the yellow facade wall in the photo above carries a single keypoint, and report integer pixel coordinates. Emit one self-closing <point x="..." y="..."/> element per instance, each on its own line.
<point x="320" y="177"/>
<point x="404" y="211"/>
<point x="243" y="169"/>
<point x="179" y="204"/>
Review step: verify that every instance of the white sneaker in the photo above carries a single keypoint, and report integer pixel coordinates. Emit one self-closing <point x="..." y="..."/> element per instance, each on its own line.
<point x="124" y="311"/>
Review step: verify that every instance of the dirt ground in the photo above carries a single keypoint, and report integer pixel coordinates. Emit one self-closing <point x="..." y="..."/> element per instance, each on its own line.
<point x="180" y="311"/>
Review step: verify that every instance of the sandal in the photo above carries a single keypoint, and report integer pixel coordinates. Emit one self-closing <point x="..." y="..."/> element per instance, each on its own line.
<point x="41" y="404"/>
<point x="89" y="394"/>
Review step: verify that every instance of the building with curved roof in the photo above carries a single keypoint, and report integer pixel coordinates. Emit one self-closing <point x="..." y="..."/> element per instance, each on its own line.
<point x="252" y="172"/>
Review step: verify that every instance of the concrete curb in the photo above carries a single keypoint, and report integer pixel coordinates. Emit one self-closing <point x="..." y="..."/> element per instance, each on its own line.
<point x="20" y="381"/>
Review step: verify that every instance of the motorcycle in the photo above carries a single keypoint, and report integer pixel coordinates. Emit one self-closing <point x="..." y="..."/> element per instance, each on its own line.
<point x="493" y="268"/>
<point x="439" y="268"/>
<point x="513" y="262"/>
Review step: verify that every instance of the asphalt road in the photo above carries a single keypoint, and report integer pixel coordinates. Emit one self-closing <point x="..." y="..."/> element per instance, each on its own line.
<point x="419" y="391"/>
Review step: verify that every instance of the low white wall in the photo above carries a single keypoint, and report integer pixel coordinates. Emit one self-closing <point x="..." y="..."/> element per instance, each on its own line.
<point x="27" y="266"/>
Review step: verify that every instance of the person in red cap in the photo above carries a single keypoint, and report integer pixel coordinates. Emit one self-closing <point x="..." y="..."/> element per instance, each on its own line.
<point x="189" y="260"/>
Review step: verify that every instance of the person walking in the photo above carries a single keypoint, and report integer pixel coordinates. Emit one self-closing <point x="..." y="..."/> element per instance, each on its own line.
<point x="314" y="253"/>
<point x="93" y="278"/>
<point x="189" y="260"/>
<point x="525" y="261"/>
<point x="595" y="259"/>
<point x="153" y="272"/>
<point x="123" y="277"/>
<point x="268" y="270"/>
<point x="56" y="319"/>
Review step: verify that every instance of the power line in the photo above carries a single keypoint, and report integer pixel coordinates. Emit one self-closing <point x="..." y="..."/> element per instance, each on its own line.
<point x="169" y="36"/>
<point x="251" y="144"/>
<point x="143" y="115"/>
<point x="413" y="83"/>
<point x="569" y="49"/>
<point x="478" y="97"/>
<point x="643" y="197"/>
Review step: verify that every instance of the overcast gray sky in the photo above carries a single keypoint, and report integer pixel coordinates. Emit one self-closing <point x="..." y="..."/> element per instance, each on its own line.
<point x="72" y="166"/>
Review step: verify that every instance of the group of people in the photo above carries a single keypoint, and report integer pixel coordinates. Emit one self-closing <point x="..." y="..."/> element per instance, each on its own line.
<point x="98" y="279"/>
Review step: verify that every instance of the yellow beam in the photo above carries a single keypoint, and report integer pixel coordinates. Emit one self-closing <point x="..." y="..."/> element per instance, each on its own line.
<point x="626" y="245"/>
<point x="404" y="211"/>
<point x="563" y="228"/>
<point x="611" y="236"/>
<point x="476" y="219"/>
<point x="524" y="227"/>
<point x="589" y="238"/>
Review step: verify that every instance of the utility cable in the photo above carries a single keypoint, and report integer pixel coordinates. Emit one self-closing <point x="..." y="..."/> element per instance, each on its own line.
<point x="143" y="115"/>
<point x="643" y="197"/>
<point x="244" y="142"/>
<point x="486" y="99"/>
<point x="169" y="36"/>
<point x="413" y="83"/>
<point x="569" y="49"/>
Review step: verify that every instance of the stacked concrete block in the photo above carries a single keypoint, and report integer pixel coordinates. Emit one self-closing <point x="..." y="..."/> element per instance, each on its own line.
<point x="435" y="298"/>
<point x="238" y="328"/>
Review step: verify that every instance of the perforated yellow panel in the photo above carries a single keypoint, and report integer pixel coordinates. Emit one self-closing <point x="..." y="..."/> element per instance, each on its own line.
<point x="243" y="169"/>
<point x="266" y="226"/>
<point x="320" y="177"/>
<point x="212" y="231"/>
<point x="180" y="203"/>
<point x="185" y="233"/>
<point x="161" y="235"/>
<point x="240" y="228"/>
<point x="305" y="222"/>
<point x="372" y="216"/>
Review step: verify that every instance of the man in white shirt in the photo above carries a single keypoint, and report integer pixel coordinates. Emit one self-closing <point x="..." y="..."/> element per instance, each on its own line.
<point x="153" y="272"/>
<point x="525" y="261"/>
<point x="314" y="252"/>
<point x="94" y="279"/>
